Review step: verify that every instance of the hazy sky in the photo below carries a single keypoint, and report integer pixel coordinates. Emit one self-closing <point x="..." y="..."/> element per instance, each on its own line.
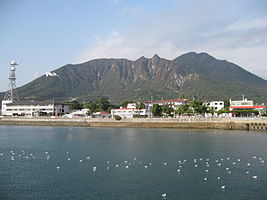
<point x="43" y="35"/>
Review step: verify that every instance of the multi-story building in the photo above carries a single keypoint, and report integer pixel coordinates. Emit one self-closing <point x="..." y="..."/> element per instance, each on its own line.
<point x="33" y="108"/>
<point x="217" y="105"/>
<point x="130" y="111"/>
<point x="172" y="102"/>
<point x="245" y="107"/>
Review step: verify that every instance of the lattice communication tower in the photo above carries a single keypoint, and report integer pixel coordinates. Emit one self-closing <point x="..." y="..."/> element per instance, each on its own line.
<point x="11" y="93"/>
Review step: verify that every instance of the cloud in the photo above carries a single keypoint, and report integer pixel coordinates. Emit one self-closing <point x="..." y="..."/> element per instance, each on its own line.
<point x="239" y="36"/>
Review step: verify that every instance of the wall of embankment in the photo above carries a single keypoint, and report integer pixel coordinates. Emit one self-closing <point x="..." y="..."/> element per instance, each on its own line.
<point x="227" y="124"/>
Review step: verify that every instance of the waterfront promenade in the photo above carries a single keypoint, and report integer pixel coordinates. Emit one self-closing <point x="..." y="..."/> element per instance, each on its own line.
<point x="192" y="123"/>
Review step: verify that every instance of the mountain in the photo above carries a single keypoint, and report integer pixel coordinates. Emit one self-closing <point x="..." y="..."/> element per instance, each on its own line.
<point x="192" y="75"/>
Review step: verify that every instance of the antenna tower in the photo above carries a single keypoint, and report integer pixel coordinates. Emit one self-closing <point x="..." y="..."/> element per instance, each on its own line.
<point x="12" y="94"/>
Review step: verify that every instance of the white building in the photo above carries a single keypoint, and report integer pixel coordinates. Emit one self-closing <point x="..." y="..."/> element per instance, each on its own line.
<point x="217" y="105"/>
<point x="173" y="102"/>
<point x="130" y="112"/>
<point x="245" y="105"/>
<point x="77" y="113"/>
<point x="33" y="108"/>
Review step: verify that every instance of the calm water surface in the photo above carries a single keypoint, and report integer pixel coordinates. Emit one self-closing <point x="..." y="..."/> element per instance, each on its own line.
<point x="101" y="163"/>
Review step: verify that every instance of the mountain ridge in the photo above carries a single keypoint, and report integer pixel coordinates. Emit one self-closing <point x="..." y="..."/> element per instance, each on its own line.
<point x="198" y="75"/>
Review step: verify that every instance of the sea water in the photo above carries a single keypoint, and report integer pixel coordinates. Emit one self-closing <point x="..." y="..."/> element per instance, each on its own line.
<point x="110" y="163"/>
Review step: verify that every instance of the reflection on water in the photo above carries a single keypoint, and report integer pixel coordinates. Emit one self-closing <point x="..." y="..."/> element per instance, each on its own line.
<point x="103" y="163"/>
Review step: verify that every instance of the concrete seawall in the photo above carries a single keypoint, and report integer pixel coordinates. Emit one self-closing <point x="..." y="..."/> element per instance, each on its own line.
<point x="227" y="124"/>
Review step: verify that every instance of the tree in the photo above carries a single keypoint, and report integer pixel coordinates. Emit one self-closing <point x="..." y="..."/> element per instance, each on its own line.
<point x="226" y="104"/>
<point x="140" y="104"/>
<point x="75" y="105"/>
<point x="103" y="104"/>
<point x="212" y="110"/>
<point x="198" y="107"/>
<point x="156" y="110"/>
<point x="167" y="109"/>
<point x="93" y="107"/>
<point x="182" y="109"/>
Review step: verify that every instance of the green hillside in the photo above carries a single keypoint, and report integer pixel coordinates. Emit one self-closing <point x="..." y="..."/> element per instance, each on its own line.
<point x="191" y="75"/>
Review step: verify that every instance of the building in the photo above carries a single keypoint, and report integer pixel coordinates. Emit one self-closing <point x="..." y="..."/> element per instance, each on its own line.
<point x="172" y="102"/>
<point x="33" y="108"/>
<point x="77" y="113"/>
<point x="245" y="108"/>
<point x="101" y="115"/>
<point x="130" y="112"/>
<point x="217" y="105"/>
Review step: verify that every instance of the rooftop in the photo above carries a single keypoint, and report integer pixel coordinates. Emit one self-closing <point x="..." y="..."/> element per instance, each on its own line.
<point x="35" y="103"/>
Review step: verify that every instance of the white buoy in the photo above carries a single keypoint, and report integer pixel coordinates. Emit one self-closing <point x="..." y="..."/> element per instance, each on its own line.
<point x="126" y="166"/>
<point x="94" y="169"/>
<point x="116" y="165"/>
<point x="205" y="179"/>
<point x="58" y="167"/>
<point x="218" y="178"/>
<point x="254" y="177"/>
<point x="165" y="163"/>
<point x="234" y="163"/>
<point x="69" y="159"/>
<point x="247" y="172"/>
<point x="248" y="164"/>
<point x="206" y="170"/>
<point x="196" y="165"/>
<point x="87" y="157"/>
<point x="145" y="166"/>
<point x="81" y="160"/>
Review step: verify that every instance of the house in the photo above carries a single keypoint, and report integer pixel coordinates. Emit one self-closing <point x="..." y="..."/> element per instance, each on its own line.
<point x="130" y="112"/>
<point x="33" y="108"/>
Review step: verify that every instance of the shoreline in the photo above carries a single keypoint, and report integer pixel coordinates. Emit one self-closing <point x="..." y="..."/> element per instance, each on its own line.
<point x="178" y="123"/>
